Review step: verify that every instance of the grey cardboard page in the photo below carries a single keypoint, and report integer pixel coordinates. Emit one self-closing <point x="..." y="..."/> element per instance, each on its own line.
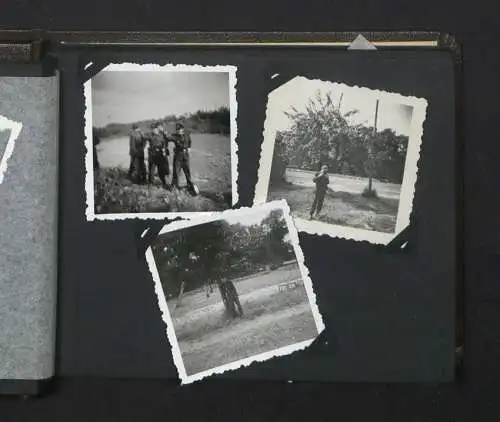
<point x="28" y="227"/>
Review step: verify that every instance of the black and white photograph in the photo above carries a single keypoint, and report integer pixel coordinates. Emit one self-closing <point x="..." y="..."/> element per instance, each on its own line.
<point x="233" y="289"/>
<point x="161" y="141"/>
<point x="9" y="132"/>
<point x="344" y="158"/>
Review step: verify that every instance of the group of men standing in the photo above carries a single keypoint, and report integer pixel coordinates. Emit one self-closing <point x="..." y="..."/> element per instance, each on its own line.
<point x="158" y="152"/>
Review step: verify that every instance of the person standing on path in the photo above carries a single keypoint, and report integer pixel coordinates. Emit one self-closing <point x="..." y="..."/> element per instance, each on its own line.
<point x="321" y="180"/>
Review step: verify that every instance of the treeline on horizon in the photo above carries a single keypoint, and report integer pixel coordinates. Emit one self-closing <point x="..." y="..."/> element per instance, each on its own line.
<point x="324" y="135"/>
<point x="209" y="252"/>
<point x="203" y="121"/>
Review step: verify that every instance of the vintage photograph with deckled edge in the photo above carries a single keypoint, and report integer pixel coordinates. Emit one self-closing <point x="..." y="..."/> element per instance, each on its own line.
<point x="9" y="132"/>
<point x="345" y="158"/>
<point x="233" y="289"/>
<point x="160" y="141"/>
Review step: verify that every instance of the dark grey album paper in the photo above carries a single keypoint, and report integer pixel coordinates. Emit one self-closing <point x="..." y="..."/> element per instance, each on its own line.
<point x="28" y="208"/>
<point x="115" y="313"/>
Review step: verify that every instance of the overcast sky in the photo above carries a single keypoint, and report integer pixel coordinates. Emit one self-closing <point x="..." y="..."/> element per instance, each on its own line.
<point x="128" y="96"/>
<point x="298" y="91"/>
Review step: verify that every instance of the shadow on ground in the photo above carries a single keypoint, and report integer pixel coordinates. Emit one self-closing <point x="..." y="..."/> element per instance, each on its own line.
<point x="340" y="208"/>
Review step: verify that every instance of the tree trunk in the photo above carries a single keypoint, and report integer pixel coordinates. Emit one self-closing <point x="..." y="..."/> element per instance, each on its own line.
<point x="273" y="262"/>
<point x="180" y="295"/>
<point x="235" y="298"/>
<point x="370" y="151"/>
<point x="230" y="298"/>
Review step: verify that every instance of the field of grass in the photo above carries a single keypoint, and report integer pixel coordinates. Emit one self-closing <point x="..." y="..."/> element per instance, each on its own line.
<point x="210" y="171"/>
<point x="114" y="193"/>
<point x="272" y="319"/>
<point x="341" y="208"/>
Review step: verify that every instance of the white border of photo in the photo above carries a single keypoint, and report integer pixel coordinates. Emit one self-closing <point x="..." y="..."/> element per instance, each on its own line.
<point x="281" y="96"/>
<point x="14" y="129"/>
<point x="89" y="176"/>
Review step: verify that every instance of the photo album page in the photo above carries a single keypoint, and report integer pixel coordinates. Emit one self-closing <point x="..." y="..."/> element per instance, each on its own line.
<point x="214" y="211"/>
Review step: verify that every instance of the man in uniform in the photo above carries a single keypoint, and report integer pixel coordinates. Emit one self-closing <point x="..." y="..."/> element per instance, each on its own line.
<point x="137" y="144"/>
<point x="321" y="180"/>
<point x="157" y="154"/>
<point x="182" y="148"/>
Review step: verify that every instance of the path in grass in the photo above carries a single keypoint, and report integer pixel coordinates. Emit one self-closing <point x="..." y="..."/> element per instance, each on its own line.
<point x="342" y="183"/>
<point x="341" y="208"/>
<point x="272" y="319"/>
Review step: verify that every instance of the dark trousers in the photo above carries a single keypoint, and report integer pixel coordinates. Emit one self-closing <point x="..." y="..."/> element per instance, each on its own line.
<point x="158" y="159"/>
<point x="96" y="159"/>
<point x="137" y="164"/>
<point x="181" y="163"/>
<point x="319" y="197"/>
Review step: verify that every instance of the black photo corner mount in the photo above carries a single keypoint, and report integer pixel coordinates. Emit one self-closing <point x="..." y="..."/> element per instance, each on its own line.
<point x="90" y="69"/>
<point x="403" y="240"/>
<point x="279" y="79"/>
<point x="145" y="241"/>
<point x="327" y="337"/>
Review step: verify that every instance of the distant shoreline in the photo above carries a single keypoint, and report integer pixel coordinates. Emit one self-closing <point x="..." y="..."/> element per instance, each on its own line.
<point x="126" y="135"/>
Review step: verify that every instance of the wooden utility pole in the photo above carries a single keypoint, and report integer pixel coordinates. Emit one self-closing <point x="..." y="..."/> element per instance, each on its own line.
<point x="370" y="149"/>
<point x="340" y="102"/>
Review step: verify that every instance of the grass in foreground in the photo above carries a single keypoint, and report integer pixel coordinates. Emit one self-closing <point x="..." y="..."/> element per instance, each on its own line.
<point x="272" y="319"/>
<point x="341" y="208"/>
<point x="115" y="193"/>
<point x="266" y="334"/>
<point x="215" y="319"/>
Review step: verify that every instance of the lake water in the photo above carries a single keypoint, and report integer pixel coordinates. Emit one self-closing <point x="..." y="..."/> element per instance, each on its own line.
<point x="210" y="158"/>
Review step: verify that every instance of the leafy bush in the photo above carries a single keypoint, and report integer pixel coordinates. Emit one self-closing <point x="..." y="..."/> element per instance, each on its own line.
<point x="323" y="135"/>
<point x="210" y="252"/>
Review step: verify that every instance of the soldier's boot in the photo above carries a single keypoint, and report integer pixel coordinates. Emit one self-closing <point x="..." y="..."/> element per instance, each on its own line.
<point x="175" y="183"/>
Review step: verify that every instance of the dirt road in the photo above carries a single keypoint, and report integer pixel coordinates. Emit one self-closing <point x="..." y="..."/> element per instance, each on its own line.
<point x="340" y="183"/>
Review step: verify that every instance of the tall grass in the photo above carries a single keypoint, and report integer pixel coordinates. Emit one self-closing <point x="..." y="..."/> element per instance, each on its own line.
<point x="114" y="193"/>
